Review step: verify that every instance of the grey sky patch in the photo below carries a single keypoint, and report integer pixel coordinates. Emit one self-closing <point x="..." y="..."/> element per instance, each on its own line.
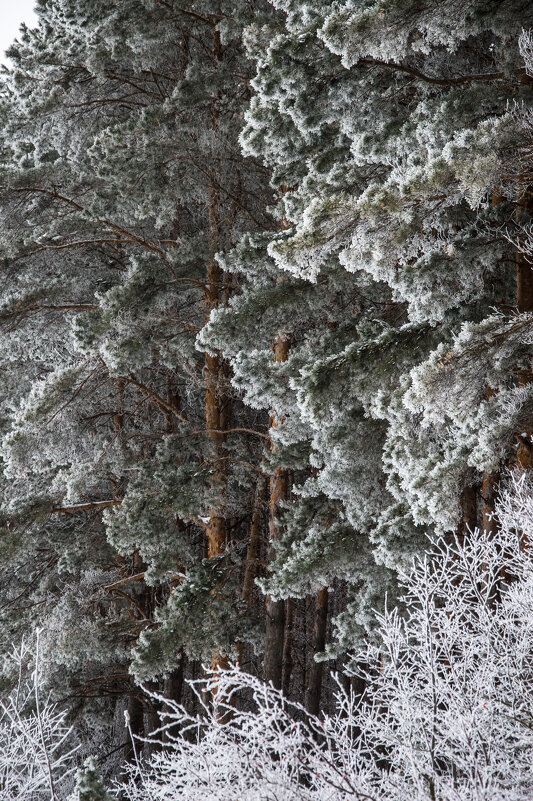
<point x="12" y="14"/>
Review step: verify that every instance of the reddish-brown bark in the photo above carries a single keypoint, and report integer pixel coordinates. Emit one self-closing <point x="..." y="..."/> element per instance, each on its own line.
<point x="275" y="609"/>
<point x="313" y="690"/>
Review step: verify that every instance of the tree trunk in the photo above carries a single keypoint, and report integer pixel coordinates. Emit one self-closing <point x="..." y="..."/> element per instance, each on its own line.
<point x="468" y="511"/>
<point x="136" y="721"/>
<point x="524" y="271"/>
<point x="173" y="684"/>
<point x="489" y="490"/>
<point x="524" y="301"/>
<point x="135" y="709"/>
<point x="490" y="481"/>
<point x="288" y="662"/>
<point x="275" y="610"/>
<point x="254" y="543"/>
<point x="314" y="680"/>
<point x="173" y="690"/>
<point x="274" y="638"/>
<point x="216" y="526"/>
<point x="216" y="406"/>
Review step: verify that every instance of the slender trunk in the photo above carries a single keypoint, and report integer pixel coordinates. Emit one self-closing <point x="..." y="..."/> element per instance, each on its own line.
<point x="274" y="637"/>
<point x="173" y="684"/>
<point x="275" y="610"/>
<point x="152" y="717"/>
<point x="214" y="417"/>
<point x="216" y="406"/>
<point x="216" y="525"/>
<point x="216" y="421"/>
<point x="288" y="662"/>
<point x="490" y="481"/>
<point x="136" y="721"/>
<point x="524" y="282"/>
<point x="173" y="690"/>
<point x="135" y="708"/>
<point x="468" y="511"/>
<point x="489" y="490"/>
<point x="314" y="681"/>
<point x="254" y="543"/>
<point x="524" y="301"/>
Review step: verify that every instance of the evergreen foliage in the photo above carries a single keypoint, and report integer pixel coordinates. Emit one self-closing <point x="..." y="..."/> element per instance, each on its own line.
<point x="121" y="178"/>
<point x="394" y="140"/>
<point x="89" y="785"/>
<point x="266" y="318"/>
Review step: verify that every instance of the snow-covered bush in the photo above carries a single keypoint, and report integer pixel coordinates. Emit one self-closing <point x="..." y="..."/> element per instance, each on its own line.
<point x="270" y="752"/>
<point x="447" y="714"/>
<point x="36" y="757"/>
<point x="450" y="692"/>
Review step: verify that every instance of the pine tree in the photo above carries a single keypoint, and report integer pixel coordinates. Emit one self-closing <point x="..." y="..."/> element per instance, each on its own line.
<point x="393" y="128"/>
<point x="155" y="315"/>
<point x="121" y="179"/>
<point x="89" y="785"/>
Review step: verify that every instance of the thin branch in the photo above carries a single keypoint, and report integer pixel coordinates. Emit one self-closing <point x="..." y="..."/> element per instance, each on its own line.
<point x="459" y="81"/>
<point x="84" y="507"/>
<point x="158" y="400"/>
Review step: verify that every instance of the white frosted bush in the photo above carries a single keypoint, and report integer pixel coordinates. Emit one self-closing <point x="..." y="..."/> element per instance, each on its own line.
<point x="36" y="760"/>
<point x="447" y="714"/>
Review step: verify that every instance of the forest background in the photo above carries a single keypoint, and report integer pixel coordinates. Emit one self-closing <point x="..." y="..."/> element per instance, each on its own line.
<point x="266" y="311"/>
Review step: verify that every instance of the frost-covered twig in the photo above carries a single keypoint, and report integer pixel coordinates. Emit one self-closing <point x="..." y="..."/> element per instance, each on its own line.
<point x="36" y="760"/>
<point x="39" y="720"/>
